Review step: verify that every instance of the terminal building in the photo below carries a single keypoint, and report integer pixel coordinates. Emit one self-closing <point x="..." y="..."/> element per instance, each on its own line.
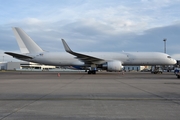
<point x="29" y="66"/>
<point x="24" y="66"/>
<point x="137" y="68"/>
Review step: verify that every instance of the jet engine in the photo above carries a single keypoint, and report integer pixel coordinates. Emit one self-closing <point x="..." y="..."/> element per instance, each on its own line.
<point x="113" y="66"/>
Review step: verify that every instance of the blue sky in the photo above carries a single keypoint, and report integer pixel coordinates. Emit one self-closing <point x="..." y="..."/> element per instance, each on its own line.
<point x="93" y="25"/>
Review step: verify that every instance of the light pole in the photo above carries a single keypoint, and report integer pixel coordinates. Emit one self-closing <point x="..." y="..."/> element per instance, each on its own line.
<point x="164" y="67"/>
<point x="164" y="45"/>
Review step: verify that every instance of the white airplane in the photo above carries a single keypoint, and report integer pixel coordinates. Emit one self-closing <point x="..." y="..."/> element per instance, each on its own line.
<point x="111" y="61"/>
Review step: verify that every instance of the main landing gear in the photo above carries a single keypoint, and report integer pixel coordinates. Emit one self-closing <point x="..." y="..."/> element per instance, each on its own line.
<point x="92" y="72"/>
<point x="92" y="69"/>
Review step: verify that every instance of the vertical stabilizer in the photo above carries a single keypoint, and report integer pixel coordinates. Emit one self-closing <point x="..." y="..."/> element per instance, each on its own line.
<point x="26" y="44"/>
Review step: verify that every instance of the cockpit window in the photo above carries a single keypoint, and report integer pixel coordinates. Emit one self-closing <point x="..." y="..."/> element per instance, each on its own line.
<point x="168" y="56"/>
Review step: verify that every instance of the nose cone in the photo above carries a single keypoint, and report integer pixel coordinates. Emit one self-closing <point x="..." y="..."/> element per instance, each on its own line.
<point x="174" y="61"/>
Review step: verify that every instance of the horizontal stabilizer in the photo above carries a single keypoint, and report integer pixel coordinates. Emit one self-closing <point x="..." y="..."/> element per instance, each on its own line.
<point x="19" y="56"/>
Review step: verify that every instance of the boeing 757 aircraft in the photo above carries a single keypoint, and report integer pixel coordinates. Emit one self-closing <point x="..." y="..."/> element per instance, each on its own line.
<point x="111" y="61"/>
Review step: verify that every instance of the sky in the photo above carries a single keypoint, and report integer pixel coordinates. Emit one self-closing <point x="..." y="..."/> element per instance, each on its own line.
<point x="93" y="25"/>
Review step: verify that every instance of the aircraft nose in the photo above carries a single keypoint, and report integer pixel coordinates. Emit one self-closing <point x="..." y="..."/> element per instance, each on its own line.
<point x="174" y="61"/>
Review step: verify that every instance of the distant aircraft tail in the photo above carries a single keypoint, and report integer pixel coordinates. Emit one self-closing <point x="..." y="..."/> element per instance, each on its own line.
<point x="26" y="44"/>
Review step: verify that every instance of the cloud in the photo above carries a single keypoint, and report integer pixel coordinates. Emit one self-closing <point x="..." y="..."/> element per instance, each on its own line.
<point x="176" y="56"/>
<point x="32" y="21"/>
<point x="85" y="35"/>
<point x="123" y="16"/>
<point x="91" y="25"/>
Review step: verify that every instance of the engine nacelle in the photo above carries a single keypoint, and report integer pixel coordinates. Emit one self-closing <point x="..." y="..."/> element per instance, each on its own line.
<point x="114" y="66"/>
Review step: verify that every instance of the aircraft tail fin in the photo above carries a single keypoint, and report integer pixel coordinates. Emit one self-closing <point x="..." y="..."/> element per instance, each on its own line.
<point x="26" y="44"/>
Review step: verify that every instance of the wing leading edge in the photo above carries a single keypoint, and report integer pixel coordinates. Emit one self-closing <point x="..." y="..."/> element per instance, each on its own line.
<point x="87" y="59"/>
<point x="18" y="56"/>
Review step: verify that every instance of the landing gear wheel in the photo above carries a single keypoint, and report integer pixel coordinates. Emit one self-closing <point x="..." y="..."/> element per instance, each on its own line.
<point x="92" y="72"/>
<point x="89" y="72"/>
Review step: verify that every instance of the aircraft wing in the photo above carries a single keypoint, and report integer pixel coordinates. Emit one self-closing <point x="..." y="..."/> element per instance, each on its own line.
<point x="83" y="57"/>
<point x="19" y="56"/>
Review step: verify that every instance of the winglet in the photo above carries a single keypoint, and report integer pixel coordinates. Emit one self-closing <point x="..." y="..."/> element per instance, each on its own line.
<point x="66" y="47"/>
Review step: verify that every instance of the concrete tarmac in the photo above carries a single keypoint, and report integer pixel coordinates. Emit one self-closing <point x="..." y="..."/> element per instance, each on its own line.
<point x="79" y="96"/>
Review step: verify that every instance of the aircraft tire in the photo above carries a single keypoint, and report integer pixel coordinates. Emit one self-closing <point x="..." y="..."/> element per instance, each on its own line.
<point x="93" y="72"/>
<point x="89" y="72"/>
